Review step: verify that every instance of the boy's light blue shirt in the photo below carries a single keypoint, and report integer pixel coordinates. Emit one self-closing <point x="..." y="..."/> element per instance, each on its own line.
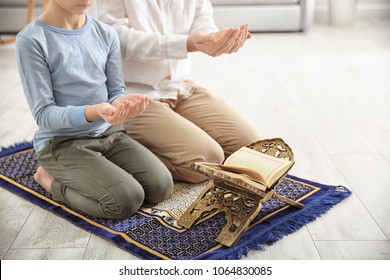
<point x="62" y="71"/>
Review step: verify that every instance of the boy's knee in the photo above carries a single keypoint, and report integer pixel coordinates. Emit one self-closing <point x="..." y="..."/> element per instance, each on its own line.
<point x="161" y="186"/>
<point x="122" y="200"/>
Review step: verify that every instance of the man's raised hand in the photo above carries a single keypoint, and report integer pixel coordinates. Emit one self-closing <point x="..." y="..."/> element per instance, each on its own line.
<point x="228" y="40"/>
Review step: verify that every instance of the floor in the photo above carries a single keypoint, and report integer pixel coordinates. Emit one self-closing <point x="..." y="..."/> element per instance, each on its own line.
<point x="326" y="92"/>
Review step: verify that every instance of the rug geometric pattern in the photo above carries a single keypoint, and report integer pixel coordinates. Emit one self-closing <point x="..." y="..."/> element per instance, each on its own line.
<point x="153" y="233"/>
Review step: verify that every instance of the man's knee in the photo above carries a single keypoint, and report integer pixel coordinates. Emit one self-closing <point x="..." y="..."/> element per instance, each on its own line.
<point x="184" y="171"/>
<point x="214" y="154"/>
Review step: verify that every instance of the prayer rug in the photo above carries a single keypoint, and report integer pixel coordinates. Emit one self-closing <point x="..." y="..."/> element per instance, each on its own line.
<point x="153" y="233"/>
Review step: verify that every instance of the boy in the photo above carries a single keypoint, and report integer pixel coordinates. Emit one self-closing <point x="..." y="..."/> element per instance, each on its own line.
<point x="70" y="70"/>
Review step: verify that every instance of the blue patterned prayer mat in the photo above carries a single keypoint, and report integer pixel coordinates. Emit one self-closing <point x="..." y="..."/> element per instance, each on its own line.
<point x="153" y="233"/>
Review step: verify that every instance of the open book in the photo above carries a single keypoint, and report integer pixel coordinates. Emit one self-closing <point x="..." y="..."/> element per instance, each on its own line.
<point x="248" y="168"/>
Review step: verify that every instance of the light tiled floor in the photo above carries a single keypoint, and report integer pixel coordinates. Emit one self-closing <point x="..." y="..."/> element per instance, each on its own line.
<point x="326" y="92"/>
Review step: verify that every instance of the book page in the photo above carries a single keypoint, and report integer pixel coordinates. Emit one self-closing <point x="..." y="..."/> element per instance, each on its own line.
<point x="235" y="178"/>
<point x="253" y="174"/>
<point x="266" y="165"/>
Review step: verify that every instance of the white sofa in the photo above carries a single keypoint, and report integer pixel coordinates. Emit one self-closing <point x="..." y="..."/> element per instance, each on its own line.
<point x="261" y="15"/>
<point x="265" y="15"/>
<point x="13" y="14"/>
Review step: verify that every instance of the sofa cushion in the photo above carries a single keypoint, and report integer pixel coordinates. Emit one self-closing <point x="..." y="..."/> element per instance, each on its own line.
<point x="13" y="3"/>
<point x="253" y="2"/>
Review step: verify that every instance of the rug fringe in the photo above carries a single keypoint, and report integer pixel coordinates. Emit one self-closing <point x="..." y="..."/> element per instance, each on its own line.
<point x="284" y="227"/>
<point x="4" y="151"/>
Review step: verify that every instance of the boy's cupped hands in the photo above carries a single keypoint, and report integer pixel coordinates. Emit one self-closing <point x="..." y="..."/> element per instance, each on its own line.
<point x="122" y="108"/>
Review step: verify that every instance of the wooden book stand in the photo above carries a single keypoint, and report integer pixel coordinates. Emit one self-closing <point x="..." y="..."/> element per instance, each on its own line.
<point x="239" y="204"/>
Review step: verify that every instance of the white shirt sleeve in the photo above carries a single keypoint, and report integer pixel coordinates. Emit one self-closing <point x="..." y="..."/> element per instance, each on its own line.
<point x="204" y="18"/>
<point x="153" y="36"/>
<point x="139" y="45"/>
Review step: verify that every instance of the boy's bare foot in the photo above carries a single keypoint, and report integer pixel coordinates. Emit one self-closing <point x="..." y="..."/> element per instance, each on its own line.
<point x="43" y="178"/>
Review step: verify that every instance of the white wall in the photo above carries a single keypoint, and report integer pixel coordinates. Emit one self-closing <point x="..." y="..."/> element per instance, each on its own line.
<point x="362" y="6"/>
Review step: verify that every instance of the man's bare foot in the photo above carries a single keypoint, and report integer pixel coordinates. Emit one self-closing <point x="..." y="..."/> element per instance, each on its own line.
<point x="44" y="178"/>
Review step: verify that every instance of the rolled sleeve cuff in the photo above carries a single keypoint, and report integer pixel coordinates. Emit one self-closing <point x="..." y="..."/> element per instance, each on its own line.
<point x="77" y="116"/>
<point x="177" y="46"/>
<point x="116" y="96"/>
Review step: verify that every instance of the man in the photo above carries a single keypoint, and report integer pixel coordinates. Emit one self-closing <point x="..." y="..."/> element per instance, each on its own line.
<point x="184" y="122"/>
